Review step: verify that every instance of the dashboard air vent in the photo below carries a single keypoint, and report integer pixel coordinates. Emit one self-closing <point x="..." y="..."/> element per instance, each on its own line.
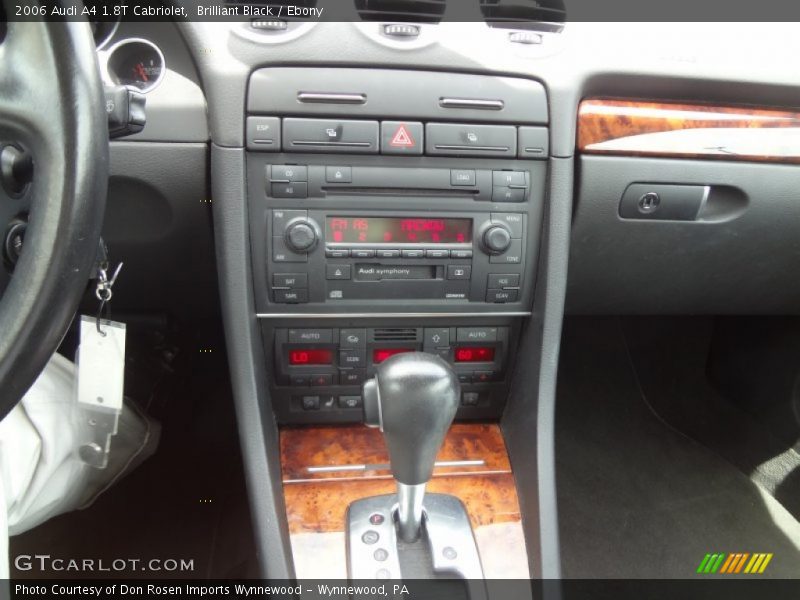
<point x="395" y="334"/>
<point x="415" y="11"/>
<point x="538" y="15"/>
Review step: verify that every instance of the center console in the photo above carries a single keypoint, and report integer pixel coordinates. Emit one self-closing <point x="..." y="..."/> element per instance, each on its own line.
<point x="388" y="214"/>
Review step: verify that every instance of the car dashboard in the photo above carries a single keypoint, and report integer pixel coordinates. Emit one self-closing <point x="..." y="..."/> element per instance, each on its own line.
<point x="355" y="190"/>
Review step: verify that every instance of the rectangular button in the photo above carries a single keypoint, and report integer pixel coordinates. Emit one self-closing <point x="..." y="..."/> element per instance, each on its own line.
<point x="353" y="338"/>
<point x="462" y="177"/>
<point x="533" y="142"/>
<point x="459" y="271"/>
<point x="443" y="353"/>
<point x="470" y="398"/>
<point x="352" y="358"/>
<point x="437" y="253"/>
<point x="387" y="253"/>
<point x="476" y="334"/>
<point x="413" y="253"/>
<point x="338" y="174"/>
<point x="470" y="140"/>
<point x="337" y="271"/>
<point x="512" y="256"/>
<point x="503" y="280"/>
<point x="281" y="217"/>
<point x="289" y="190"/>
<point x="310" y="336"/>
<point x="362" y="253"/>
<point x="349" y="401"/>
<point x="337" y="252"/>
<point x="507" y="194"/>
<point x="483" y="376"/>
<point x="437" y="337"/>
<point x="352" y="376"/>
<point x="290" y="280"/>
<point x="464" y="377"/>
<point x="460" y="253"/>
<point x="508" y="179"/>
<point x="401" y="137"/>
<point x="289" y="173"/>
<point x="501" y="296"/>
<point x="330" y="135"/>
<point x="321" y="379"/>
<point x="513" y="220"/>
<point x="299" y="380"/>
<point x="291" y="296"/>
<point x="263" y="133"/>
<point x="310" y="402"/>
<point x="282" y="254"/>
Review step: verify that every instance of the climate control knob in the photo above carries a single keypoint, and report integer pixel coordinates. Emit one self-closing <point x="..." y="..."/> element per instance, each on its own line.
<point x="496" y="239"/>
<point x="301" y="235"/>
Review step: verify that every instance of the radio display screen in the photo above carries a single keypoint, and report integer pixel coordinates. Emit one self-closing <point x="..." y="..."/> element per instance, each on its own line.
<point x="398" y="230"/>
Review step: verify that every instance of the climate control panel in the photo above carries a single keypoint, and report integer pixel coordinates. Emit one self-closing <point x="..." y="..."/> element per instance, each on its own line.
<point x="319" y="371"/>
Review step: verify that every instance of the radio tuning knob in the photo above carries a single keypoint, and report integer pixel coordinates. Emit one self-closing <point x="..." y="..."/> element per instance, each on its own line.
<point x="301" y="235"/>
<point x="496" y="239"/>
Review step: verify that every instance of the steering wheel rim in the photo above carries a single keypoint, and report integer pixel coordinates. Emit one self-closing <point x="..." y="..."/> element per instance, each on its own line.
<point x="51" y="103"/>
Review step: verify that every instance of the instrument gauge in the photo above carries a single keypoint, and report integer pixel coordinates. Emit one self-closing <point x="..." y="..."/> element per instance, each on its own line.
<point x="135" y="63"/>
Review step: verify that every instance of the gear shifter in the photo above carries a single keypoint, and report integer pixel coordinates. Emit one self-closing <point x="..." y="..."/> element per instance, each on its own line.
<point x="413" y="399"/>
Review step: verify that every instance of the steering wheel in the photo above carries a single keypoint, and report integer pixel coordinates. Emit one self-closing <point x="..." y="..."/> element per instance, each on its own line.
<point x="52" y="107"/>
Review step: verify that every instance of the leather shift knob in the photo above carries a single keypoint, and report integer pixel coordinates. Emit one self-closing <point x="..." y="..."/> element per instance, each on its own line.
<point x="413" y="398"/>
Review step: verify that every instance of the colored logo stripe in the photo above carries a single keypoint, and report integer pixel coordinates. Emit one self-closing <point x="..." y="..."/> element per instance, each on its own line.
<point x="710" y="563"/>
<point x="734" y="563"/>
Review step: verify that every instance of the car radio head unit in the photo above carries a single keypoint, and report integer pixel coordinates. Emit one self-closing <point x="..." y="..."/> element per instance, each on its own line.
<point x="321" y="256"/>
<point x="371" y="235"/>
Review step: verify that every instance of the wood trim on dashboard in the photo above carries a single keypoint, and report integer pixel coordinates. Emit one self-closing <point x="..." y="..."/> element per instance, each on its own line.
<point x="359" y="445"/>
<point x="641" y="128"/>
<point x="316" y="502"/>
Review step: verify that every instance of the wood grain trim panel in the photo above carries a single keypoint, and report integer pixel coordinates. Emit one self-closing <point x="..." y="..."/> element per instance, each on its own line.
<point x="627" y="127"/>
<point x="320" y="507"/>
<point x="316" y="503"/>
<point x="340" y="446"/>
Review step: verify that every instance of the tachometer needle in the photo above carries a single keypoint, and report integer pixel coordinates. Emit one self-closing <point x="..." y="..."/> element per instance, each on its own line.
<point x="141" y="72"/>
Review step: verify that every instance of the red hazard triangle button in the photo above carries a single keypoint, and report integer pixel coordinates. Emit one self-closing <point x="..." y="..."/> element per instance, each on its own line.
<point x="402" y="138"/>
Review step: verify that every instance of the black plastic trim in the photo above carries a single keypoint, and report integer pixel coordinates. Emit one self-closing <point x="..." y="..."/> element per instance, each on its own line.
<point x="257" y="428"/>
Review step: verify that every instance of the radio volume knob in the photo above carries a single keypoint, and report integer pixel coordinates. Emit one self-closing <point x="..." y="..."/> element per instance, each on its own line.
<point x="496" y="239"/>
<point x="301" y="235"/>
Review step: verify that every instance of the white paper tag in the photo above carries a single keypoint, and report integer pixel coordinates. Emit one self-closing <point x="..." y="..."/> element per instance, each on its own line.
<point x="101" y="379"/>
<point x="101" y="365"/>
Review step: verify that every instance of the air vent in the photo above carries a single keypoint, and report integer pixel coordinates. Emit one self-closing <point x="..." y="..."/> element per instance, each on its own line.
<point x="415" y="11"/>
<point x="538" y="15"/>
<point x="395" y="334"/>
<point x="285" y="20"/>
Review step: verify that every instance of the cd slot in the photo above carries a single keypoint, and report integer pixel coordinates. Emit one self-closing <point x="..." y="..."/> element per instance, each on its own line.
<point x="350" y="190"/>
